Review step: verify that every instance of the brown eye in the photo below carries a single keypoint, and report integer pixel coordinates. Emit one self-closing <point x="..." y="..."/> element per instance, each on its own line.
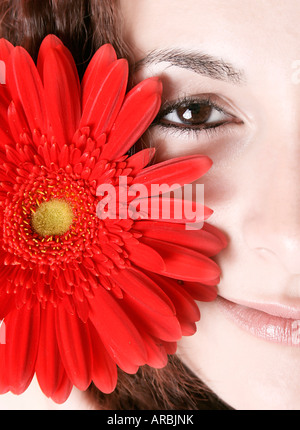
<point x="194" y="115"/>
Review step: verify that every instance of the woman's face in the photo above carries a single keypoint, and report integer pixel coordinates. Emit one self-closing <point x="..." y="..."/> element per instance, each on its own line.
<point x="231" y="74"/>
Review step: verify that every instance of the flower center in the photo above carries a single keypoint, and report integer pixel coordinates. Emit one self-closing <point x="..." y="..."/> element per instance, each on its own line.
<point x="52" y="218"/>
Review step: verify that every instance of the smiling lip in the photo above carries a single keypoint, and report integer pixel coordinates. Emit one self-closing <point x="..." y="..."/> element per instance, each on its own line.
<point x="275" y="323"/>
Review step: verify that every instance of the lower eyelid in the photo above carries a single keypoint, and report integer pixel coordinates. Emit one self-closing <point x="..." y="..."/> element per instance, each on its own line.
<point x="185" y="130"/>
<point x="228" y="129"/>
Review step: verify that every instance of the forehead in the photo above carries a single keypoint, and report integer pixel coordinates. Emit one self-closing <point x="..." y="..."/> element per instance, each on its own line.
<point x="264" y="29"/>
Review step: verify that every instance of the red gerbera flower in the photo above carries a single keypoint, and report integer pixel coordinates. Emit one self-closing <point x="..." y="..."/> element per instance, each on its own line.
<point x="80" y="295"/>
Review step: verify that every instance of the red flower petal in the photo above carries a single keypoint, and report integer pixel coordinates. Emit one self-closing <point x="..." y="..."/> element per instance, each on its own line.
<point x="182" y="300"/>
<point x="6" y="303"/>
<point x="214" y="231"/>
<point x="209" y="241"/>
<point x="17" y="121"/>
<point x="187" y="310"/>
<point x="22" y="338"/>
<point x="148" y="305"/>
<point x="6" y="49"/>
<point x="201" y="292"/>
<point x="118" y="333"/>
<point x="4" y="384"/>
<point x="160" y="326"/>
<point x="5" y="137"/>
<point x="95" y="73"/>
<point x="156" y="352"/>
<point x="104" y="369"/>
<point x="63" y="391"/>
<point x="138" y="111"/>
<point x="146" y="257"/>
<point x="170" y="347"/>
<point x="62" y="86"/>
<point x="139" y="160"/>
<point x="179" y="171"/>
<point x="49" y="368"/>
<point x="51" y="42"/>
<point x="142" y="289"/>
<point x="182" y="263"/>
<point x="74" y="347"/>
<point x="173" y="210"/>
<point x="25" y="84"/>
<point x="105" y="100"/>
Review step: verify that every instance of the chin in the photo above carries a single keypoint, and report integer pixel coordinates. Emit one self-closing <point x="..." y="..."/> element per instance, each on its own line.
<point x="245" y="371"/>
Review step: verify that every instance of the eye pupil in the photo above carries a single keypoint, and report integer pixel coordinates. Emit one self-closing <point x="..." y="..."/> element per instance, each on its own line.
<point x="195" y="113"/>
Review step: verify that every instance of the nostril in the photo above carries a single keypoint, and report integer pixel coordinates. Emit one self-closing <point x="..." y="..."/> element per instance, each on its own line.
<point x="266" y="254"/>
<point x="275" y="242"/>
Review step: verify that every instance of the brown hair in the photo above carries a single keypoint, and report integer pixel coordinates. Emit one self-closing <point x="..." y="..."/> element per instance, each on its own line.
<point x="83" y="26"/>
<point x="174" y="387"/>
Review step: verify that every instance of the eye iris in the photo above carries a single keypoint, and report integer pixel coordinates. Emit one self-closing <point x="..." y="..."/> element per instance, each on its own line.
<point x="194" y="113"/>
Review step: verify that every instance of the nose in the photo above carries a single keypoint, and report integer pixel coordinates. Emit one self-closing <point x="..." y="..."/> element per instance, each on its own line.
<point x="272" y="225"/>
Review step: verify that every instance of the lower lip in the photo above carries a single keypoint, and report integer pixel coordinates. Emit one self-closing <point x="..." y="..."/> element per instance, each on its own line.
<point x="263" y="325"/>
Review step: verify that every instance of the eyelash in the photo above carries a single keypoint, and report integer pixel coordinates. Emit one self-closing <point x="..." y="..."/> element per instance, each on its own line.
<point x="187" y="102"/>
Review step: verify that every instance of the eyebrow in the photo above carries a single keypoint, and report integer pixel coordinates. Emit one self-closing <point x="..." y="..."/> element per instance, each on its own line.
<point x="198" y="62"/>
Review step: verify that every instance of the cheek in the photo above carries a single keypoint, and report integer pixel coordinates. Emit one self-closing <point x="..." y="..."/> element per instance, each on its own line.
<point x="227" y="190"/>
<point x="221" y="188"/>
<point x="222" y="185"/>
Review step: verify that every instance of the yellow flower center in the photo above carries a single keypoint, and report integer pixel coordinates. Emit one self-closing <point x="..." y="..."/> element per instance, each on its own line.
<point x="52" y="218"/>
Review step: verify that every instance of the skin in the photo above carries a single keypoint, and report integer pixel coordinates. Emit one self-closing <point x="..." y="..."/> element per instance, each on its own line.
<point x="253" y="186"/>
